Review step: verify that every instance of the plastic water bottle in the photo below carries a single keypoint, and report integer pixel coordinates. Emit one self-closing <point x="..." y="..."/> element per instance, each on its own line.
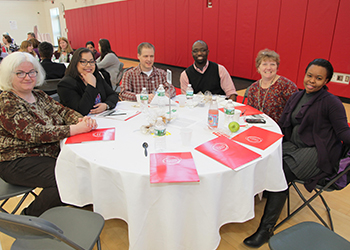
<point x="144" y="99"/>
<point x="213" y="114"/>
<point x="229" y="112"/>
<point x="189" y="96"/>
<point x="161" y="95"/>
<point x="159" y="133"/>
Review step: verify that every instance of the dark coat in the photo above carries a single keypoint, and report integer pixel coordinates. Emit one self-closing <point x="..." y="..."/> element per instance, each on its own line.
<point x="53" y="70"/>
<point x="76" y="95"/>
<point x="323" y="124"/>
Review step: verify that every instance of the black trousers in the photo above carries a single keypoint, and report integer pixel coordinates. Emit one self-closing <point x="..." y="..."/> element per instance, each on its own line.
<point x="37" y="171"/>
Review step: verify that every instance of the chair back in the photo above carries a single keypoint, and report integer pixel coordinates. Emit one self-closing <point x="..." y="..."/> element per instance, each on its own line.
<point x="29" y="227"/>
<point x="120" y="74"/>
<point x="50" y="86"/>
<point x="245" y="94"/>
<point x="120" y="77"/>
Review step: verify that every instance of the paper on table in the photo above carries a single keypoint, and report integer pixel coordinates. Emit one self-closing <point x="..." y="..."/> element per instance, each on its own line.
<point x="227" y="152"/>
<point x="103" y="134"/>
<point x="182" y="122"/>
<point x="258" y="137"/>
<point x="122" y="115"/>
<point x="172" y="167"/>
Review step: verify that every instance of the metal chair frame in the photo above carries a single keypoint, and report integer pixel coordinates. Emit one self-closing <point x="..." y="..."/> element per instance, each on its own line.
<point x="318" y="193"/>
<point x="9" y="191"/>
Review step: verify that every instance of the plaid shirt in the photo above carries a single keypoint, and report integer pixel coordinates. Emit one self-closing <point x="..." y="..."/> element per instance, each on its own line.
<point x="32" y="129"/>
<point x="134" y="80"/>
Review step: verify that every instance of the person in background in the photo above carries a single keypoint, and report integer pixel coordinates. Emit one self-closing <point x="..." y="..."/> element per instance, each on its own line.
<point x="53" y="70"/>
<point x="35" y="42"/>
<point x="8" y="44"/>
<point x="91" y="46"/>
<point x="1" y="54"/>
<point x="144" y="75"/>
<point x="31" y="127"/>
<point x="108" y="60"/>
<point x="64" y="51"/>
<point x="271" y="93"/>
<point x="27" y="46"/>
<point x="314" y="125"/>
<point x="30" y="35"/>
<point x="83" y="88"/>
<point x="205" y="75"/>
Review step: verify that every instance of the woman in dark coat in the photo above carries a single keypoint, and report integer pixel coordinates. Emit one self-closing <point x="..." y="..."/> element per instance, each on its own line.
<point x="83" y="88"/>
<point x="314" y="125"/>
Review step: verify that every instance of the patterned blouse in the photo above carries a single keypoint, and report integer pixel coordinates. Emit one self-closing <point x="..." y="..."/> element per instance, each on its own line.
<point x="32" y="129"/>
<point x="272" y="100"/>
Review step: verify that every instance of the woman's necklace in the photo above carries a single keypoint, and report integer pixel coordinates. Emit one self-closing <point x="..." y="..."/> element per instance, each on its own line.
<point x="261" y="108"/>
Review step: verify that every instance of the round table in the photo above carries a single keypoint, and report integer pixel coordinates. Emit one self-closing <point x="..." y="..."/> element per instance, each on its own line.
<point x="114" y="176"/>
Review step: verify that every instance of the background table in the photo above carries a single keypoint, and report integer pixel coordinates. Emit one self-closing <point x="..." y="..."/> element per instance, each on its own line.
<point x="114" y="176"/>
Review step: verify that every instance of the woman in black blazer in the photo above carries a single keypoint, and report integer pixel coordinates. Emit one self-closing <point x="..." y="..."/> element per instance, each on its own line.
<point x="83" y="88"/>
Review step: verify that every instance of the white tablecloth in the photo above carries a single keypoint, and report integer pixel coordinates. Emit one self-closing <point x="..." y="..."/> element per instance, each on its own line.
<point x="114" y="176"/>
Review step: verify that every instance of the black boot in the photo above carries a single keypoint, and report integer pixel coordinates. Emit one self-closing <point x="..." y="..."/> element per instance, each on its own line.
<point x="273" y="208"/>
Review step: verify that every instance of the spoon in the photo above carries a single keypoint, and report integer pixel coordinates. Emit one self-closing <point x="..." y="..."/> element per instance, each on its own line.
<point x="145" y="146"/>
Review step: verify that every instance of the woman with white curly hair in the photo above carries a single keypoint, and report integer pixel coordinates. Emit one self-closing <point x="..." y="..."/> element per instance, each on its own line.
<point x="31" y="126"/>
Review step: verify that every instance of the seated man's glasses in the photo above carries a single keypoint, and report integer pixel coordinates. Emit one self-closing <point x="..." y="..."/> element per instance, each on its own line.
<point x="85" y="62"/>
<point x="31" y="74"/>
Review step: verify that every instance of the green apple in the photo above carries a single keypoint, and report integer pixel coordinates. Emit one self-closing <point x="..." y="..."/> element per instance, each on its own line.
<point x="233" y="126"/>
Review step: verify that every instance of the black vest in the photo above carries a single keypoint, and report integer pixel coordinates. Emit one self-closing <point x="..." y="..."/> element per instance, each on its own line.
<point x="210" y="80"/>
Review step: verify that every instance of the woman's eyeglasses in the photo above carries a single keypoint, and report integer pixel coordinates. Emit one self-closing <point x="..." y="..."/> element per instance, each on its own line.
<point x="31" y="74"/>
<point x="85" y="62"/>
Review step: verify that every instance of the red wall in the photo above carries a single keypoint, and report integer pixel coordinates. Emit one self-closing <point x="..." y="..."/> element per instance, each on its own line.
<point x="235" y="30"/>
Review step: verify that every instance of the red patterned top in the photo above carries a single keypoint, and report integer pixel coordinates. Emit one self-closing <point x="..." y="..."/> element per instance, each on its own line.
<point x="272" y="100"/>
<point x="32" y="129"/>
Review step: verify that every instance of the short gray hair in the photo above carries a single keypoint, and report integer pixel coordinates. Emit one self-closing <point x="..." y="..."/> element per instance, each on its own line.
<point x="11" y="62"/>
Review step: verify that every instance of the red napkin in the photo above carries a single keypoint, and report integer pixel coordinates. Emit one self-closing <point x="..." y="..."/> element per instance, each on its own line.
<point x="103" y="134"/>
<point x="172" y="167"/>
<point x="258" y="137"/>
<point x="249" y="110"/>
<point x="227" y="152"/>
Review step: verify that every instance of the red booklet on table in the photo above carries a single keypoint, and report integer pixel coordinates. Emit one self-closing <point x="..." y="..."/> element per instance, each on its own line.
<point x="103" y="134"/>
<point x="258" y="137"/>
<point x="227" y="152"/>
<point x="172" y="167"/>
<point x="249" y="110"/>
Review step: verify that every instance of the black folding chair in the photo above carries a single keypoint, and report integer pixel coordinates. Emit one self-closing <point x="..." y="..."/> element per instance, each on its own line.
<point x="8" y="191"/>
<point x="319" y="189"/>
<point x="58" y="228"/>
<point x="245" y="94"/>
<point x="50" y="86"/>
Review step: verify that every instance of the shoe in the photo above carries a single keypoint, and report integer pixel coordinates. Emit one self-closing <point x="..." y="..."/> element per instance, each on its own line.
<point x="274" y="204"/>
<point x="260" y="237"/>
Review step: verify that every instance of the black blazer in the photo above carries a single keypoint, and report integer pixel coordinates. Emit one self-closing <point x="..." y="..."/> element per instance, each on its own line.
<point x="76" y="95"/>
<point x="53" y="70"/>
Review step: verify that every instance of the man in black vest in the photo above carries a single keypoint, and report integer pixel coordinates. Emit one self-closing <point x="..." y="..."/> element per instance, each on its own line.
<point x="204" y="75"/>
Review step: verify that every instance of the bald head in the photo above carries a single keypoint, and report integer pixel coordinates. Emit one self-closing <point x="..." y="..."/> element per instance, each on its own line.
<point x="200" y="42"/>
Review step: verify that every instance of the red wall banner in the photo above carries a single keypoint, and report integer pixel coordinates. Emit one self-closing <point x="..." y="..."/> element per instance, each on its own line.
<point x="234" y="30"/>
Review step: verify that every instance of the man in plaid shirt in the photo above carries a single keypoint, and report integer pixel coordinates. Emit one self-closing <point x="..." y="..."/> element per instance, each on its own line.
<point x="144" y="75"/>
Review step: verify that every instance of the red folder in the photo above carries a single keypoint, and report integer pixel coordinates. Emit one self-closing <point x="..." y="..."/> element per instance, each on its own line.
<point x="103" y="134"/>
<point x="249" y="110"/>
<point x="257" y="137"/>
<point x="172" y="167"/>
<point x="227" y="152"/>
